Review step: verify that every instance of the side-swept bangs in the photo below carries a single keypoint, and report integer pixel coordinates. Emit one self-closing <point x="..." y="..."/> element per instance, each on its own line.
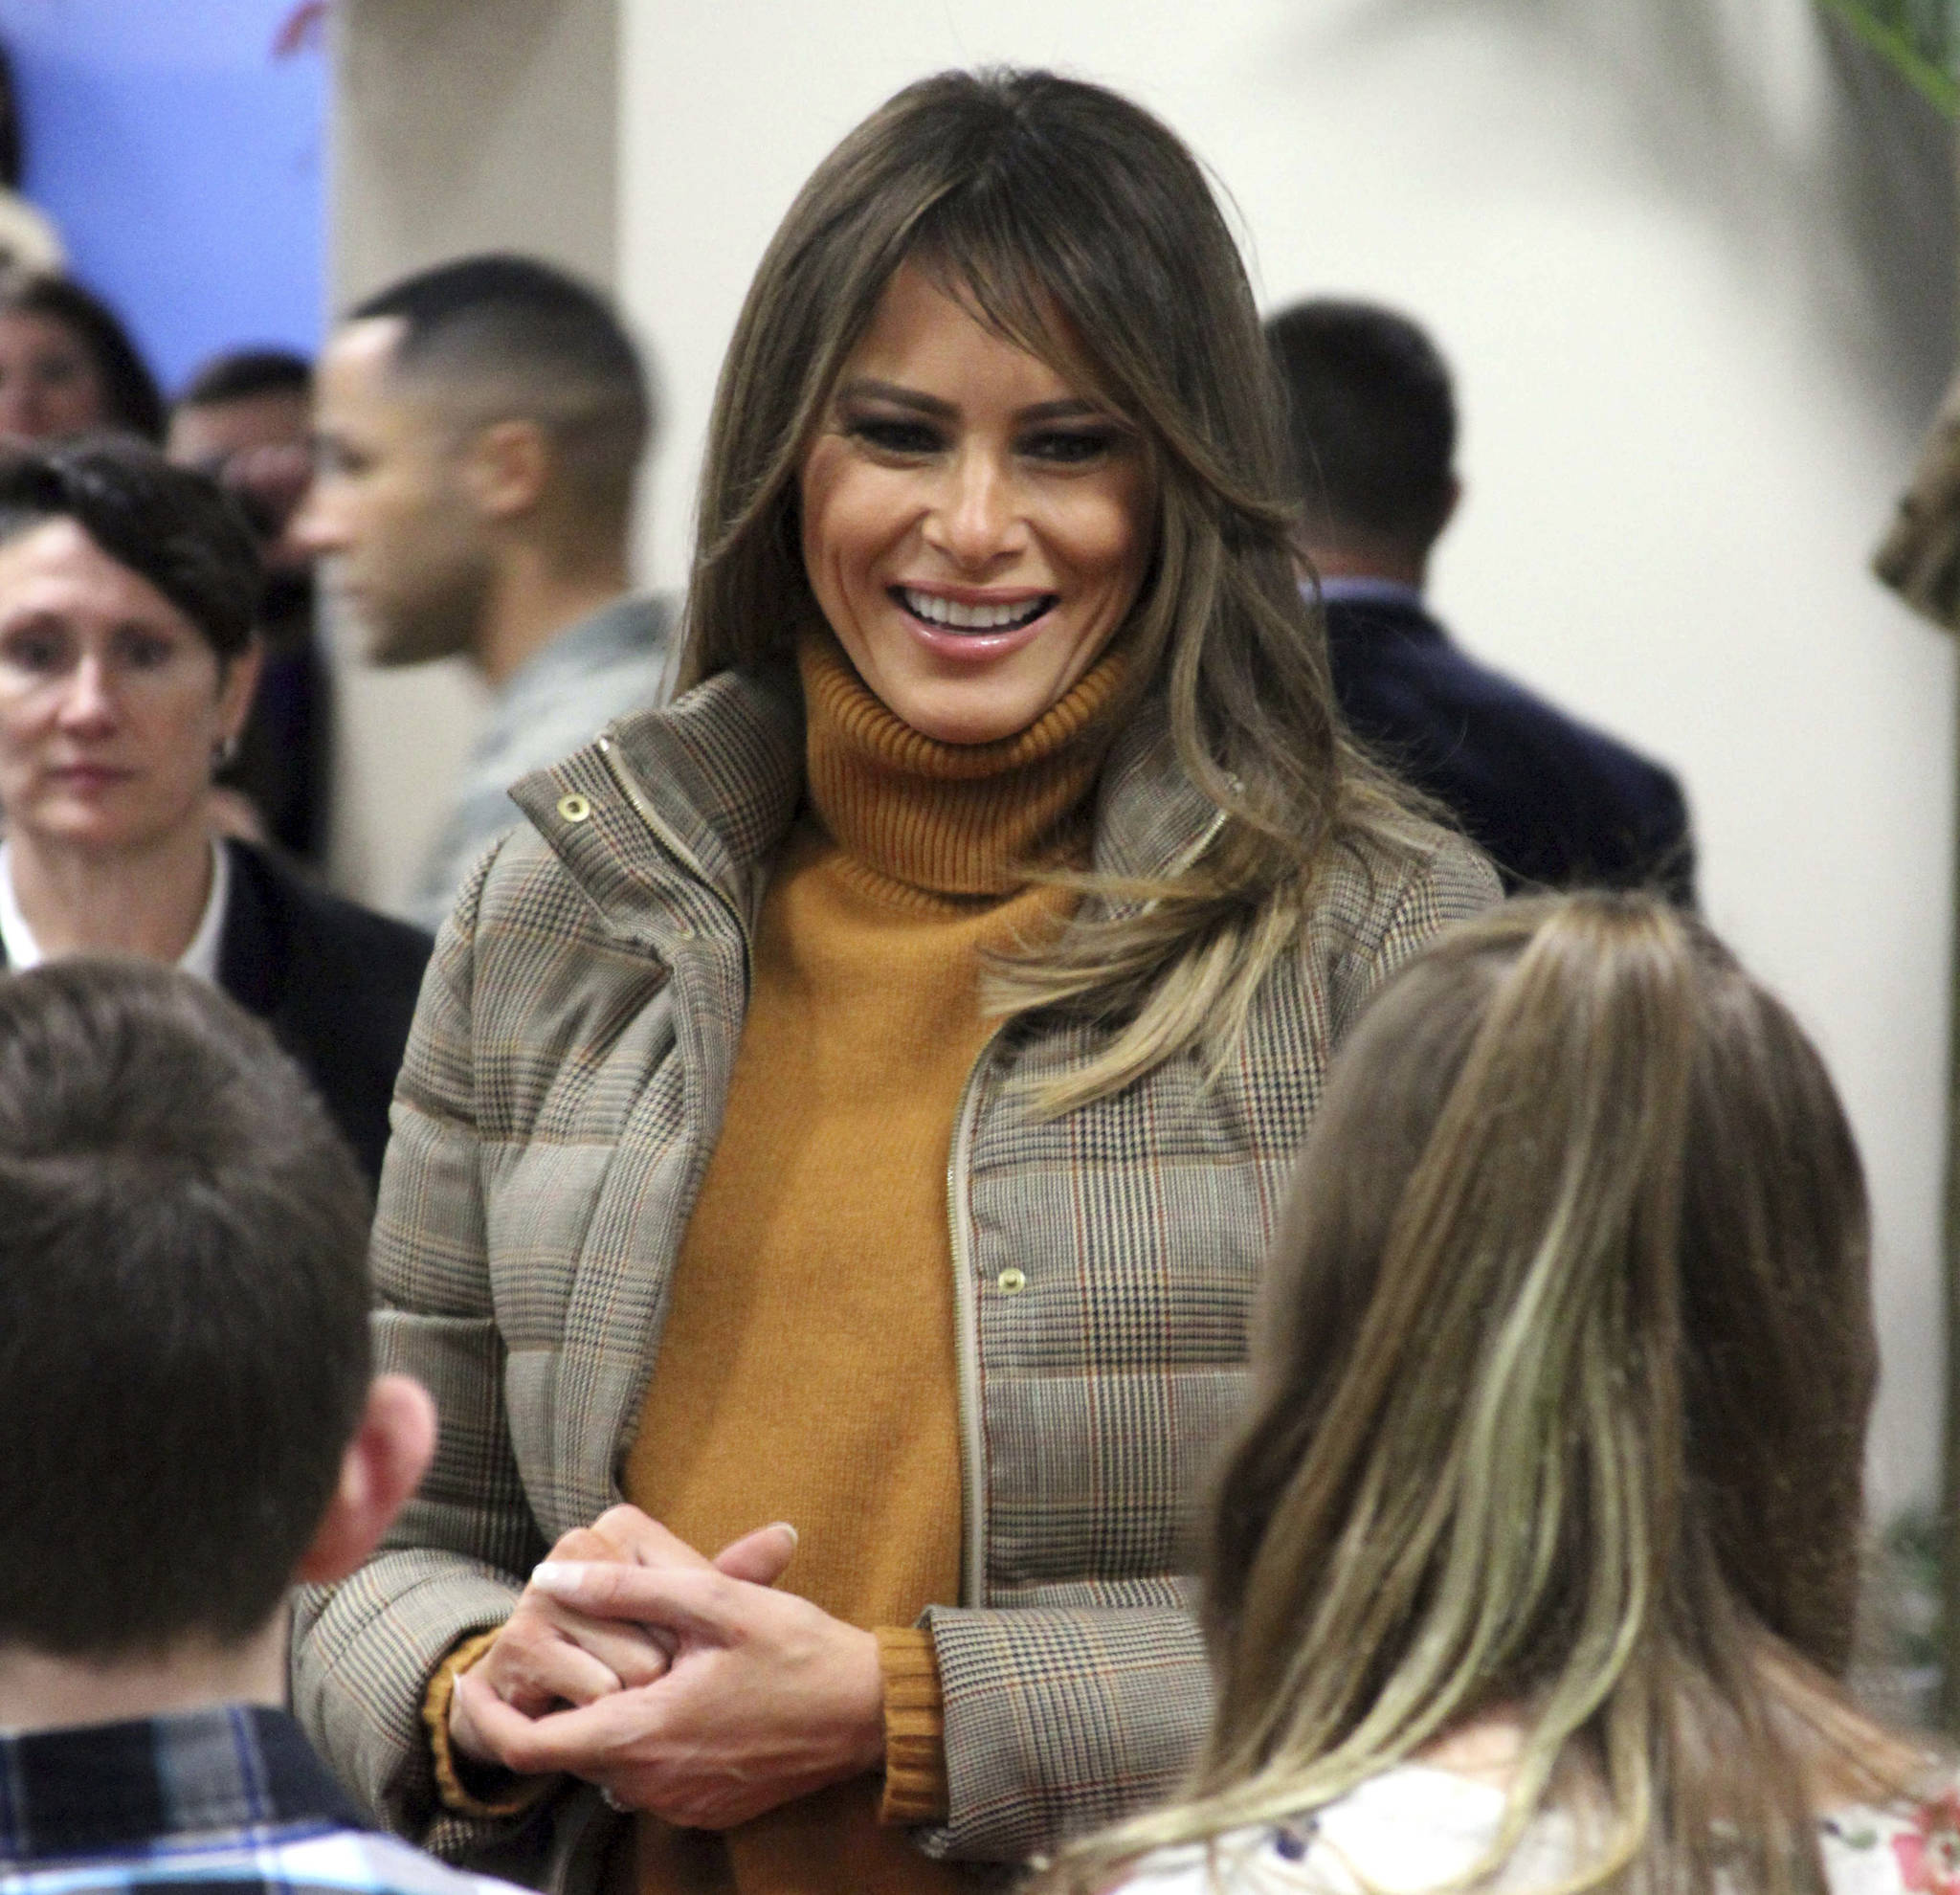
<point x="1068" y="222"/>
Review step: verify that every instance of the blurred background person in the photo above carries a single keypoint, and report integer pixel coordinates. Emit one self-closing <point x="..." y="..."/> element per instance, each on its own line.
<point x="246" y="418"/>
<point x="480" y="428"/>
<point x="128" y="598"/>
<point x="68" y="367"/>
<point x="1555" y="804"/>
<point x="1534" y="1564"/>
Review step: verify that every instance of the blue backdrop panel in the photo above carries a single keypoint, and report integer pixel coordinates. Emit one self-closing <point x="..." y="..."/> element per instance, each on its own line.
<point x="183" y="162"/>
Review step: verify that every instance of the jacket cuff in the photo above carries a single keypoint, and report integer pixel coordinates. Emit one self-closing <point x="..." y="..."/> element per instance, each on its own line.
<point x="490" y="1791"/>
<point x="915" y="1779"/>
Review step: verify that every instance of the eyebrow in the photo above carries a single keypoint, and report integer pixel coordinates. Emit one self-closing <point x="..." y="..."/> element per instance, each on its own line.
<point x="1070" y="408"/>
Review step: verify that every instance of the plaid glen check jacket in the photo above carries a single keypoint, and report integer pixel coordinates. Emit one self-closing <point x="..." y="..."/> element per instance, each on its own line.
<point x="562" y="1092"/>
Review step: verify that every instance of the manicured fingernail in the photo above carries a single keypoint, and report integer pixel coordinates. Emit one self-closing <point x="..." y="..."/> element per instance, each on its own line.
<point x="564" y="1577"/>
<point x="784" y="1527"/>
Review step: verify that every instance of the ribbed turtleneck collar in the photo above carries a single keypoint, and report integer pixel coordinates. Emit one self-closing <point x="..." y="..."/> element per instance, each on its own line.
<point x="966" y="819"/>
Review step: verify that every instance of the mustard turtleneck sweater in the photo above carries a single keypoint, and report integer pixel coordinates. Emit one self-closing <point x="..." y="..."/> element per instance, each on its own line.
<point x="807" y="1369"/>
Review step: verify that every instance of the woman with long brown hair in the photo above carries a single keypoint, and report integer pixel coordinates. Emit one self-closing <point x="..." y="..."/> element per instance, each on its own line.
<point x="68" y="365"/>
<point x="860" y="1097"/>
<point x="1535" y="1562"/>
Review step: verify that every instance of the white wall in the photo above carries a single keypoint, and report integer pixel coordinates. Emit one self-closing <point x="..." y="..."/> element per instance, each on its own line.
<point x="1693" y="263"/>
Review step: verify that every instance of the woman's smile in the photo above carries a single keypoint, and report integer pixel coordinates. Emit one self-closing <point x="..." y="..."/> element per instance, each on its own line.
<point x="975" y="529"/>
<point x="961" y="624"/>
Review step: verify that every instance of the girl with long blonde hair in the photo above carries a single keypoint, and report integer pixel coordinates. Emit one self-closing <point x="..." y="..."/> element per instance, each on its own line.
<point x="1536" y="1559"/>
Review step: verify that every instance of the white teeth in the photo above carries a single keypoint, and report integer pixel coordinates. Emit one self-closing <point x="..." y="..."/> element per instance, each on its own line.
<point x="973" y="617"/>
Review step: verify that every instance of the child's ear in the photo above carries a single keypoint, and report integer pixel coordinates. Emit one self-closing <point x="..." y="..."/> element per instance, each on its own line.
<point x="384" y="1463"/>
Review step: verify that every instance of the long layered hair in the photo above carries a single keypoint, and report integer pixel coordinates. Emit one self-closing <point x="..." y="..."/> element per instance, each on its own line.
<point x="132" y="403"/>
<point x="1076" y="226"/>
<point x="1562" y="1385"/>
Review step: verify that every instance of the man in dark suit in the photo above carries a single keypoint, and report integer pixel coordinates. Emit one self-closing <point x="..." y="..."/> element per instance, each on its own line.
<point x="1554" y="803"/>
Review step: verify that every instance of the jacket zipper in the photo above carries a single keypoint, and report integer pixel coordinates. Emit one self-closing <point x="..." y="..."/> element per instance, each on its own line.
<point x="685" y="856"/>
<point x="663" y="834"/>
<point x="646" y="811"/>
<point x="966" y="1305"/>
<point x="967" y="1337"/>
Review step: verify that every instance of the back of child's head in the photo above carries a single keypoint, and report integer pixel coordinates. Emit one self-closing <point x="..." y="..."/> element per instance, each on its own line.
<point x="183" y="1313"/>
<point x="1580" y="1233"/>
<point x="1561" y="1387"/>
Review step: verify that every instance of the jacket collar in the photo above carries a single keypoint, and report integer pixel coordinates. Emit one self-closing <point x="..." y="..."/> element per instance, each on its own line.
<point x="1151" y="820"/>
<point x="1360" y="622"/>
<point x="718" y="777"/>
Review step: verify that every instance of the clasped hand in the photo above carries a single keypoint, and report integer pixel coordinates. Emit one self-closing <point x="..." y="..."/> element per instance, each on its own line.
<point x="677" y="1684"/>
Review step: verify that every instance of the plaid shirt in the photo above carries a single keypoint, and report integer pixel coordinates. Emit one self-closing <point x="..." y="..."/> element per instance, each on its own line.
<point x="561" y="1096"/>
<point x="230" y="1797"/>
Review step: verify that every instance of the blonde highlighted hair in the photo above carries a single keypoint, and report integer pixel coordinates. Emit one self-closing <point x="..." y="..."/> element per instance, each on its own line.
<point x="1561" y="1389"/>
<point x="1075" y="224"/>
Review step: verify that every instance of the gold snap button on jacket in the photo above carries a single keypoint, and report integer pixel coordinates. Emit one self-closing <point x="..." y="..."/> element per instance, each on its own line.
<point x="574" y="808"/>
<point x="1012" y="1282"/>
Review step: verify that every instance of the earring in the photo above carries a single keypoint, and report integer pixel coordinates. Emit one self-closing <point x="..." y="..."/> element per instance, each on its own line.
<point x="223" y="751"/>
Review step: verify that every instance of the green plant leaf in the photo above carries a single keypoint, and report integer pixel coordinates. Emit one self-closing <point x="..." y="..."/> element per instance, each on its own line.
<point x="1918" y="37"/>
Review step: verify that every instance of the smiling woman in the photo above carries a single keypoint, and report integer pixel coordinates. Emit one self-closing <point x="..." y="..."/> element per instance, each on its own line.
<point x="974" y="531"/>
<point x="860" y="1097"/>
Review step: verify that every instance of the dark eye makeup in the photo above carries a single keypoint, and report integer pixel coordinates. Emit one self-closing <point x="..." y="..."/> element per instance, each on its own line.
<point x="904" y="436"/>
<point x="1072" y="447"/>
<point x="894" y="434"/>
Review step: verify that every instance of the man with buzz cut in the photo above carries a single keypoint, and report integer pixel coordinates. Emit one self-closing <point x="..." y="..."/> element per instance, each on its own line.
<point x="1554" y="803"/>
<point x="190" y="1426"/>
<point x="479" y="427"/>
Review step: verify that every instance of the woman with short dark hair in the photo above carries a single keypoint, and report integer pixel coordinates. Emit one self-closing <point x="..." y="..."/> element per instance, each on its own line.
<point x="860" y="1096"/>
<point x="128" y="593"/>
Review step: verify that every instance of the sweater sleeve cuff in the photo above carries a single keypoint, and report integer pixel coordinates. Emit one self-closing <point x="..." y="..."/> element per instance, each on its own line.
<point x="489" y="1791"/>
<point x="915" y="1778"/>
